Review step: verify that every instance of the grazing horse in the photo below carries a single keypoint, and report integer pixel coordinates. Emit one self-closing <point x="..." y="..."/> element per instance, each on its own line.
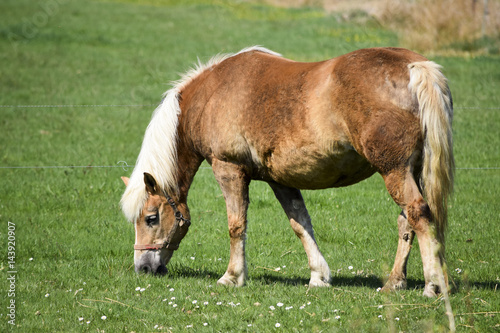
<point x="255" y="115"/>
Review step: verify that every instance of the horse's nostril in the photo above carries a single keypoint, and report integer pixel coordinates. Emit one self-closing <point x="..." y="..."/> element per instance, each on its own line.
<point x="145" y="269"/>
<point x="161" y="270"/>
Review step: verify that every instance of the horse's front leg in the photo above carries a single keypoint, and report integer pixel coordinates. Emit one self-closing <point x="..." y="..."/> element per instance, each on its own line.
<point x="293" y="204"/>
<point x="234" y="181"/>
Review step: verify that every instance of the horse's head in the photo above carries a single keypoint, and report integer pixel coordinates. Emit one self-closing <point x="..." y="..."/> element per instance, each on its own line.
<point x="158" y="230"/>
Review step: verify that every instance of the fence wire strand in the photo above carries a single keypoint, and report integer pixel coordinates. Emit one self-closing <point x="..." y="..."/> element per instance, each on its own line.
<point x="149" y="105"/>
<point x="124" y="165"/>
<point x="77" y="106"/>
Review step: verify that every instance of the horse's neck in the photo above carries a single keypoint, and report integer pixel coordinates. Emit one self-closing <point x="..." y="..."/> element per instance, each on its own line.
<point x="188" y="162"/>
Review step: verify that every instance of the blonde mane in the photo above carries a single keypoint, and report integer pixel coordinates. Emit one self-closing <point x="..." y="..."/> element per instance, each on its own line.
<point x="158" y="155"/>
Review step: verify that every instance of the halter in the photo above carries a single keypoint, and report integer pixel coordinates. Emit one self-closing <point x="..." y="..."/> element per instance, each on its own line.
<point x="180" y="222"/>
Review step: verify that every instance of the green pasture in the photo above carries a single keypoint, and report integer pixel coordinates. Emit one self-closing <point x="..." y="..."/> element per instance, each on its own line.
<point x="73" y="253"/>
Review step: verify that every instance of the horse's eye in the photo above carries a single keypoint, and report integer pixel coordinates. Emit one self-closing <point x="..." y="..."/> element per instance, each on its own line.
<point x="151" y="220"/>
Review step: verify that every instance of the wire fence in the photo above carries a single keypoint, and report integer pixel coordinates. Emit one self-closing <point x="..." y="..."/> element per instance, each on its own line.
<point x="47" y="106"/>
<point x="121" y="164"/>
<point x="125" y="166"/>
<point x="77" y="106"/>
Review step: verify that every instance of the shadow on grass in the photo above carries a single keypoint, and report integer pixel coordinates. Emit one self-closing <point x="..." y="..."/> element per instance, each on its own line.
<point x="374" y="282"/>
<point x="179" y="271"/>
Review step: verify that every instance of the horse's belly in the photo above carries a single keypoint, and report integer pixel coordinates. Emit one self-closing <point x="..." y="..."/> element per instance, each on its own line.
<point x="312" y="168"/>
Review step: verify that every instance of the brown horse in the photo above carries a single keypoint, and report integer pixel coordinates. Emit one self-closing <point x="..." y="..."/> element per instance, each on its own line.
<point x="256" y="115"/>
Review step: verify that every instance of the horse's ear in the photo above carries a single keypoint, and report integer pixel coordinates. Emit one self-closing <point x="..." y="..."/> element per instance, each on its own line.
<point x="150" y="182"/>
<point x="125" y="180"/>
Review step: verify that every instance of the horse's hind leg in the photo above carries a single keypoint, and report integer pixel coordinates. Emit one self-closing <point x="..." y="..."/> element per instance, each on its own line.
<point x="234" y="183"/>
<point x="293" y="204"/>
<point x="397" y="278"/>
<point x="404" y="190"/>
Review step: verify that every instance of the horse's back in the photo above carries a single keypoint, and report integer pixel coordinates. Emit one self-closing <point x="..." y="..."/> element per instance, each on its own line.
<point x="305" y="125"/>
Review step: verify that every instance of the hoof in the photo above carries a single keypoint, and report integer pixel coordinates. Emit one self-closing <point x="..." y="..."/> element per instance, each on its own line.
<point x="318" y="283"/>
<point x="394" y="285"/>
<point x="431" y="290"/>
<point x="231" y="281"/>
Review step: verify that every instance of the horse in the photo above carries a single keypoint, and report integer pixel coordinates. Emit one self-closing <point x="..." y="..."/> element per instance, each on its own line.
<point x="255" y="115"/>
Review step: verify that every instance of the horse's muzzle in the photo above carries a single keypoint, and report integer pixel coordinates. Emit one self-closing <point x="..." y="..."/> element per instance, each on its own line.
<point x="153" y="262"/>
<point x="148" y="268"/>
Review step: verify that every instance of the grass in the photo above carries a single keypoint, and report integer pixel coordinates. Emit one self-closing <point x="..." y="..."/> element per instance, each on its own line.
<point x="73" y="252"/>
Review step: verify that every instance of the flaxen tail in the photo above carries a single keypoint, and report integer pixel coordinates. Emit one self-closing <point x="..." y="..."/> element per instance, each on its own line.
<point x="430" y="87"/>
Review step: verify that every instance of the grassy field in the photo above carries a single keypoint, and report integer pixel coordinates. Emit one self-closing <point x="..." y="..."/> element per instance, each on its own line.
<point x="73" y="254"/>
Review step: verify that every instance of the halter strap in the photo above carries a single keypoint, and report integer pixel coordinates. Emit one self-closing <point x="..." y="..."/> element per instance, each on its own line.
<point x="180" y="221"/>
